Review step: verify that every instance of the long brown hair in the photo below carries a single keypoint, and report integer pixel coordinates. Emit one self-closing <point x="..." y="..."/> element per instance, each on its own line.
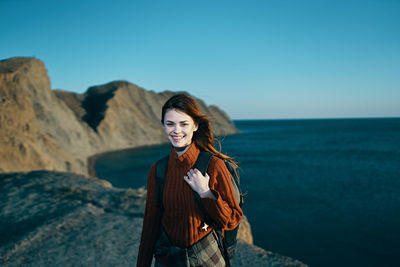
<point x="203" y="137"/>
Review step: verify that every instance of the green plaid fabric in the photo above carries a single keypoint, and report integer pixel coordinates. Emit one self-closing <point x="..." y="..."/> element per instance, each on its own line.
<point x="205" y="253"/>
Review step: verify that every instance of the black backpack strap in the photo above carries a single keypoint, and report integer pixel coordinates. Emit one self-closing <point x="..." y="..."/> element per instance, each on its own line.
<point x="161" y="171"/>
<point x="202" y="162"/>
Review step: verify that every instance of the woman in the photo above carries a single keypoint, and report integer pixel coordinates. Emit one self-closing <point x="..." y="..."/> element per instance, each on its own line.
<point x="179" y="222"/>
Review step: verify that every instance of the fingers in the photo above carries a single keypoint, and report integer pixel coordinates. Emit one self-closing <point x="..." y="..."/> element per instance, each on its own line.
<point x="187" y="179"/>
<point x="197" y="181"/>
<point x="193" y="176"/>
<point x="193" y="171"/>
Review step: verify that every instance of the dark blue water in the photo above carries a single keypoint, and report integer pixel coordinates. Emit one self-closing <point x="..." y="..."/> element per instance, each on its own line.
<point x="326" y="192"/>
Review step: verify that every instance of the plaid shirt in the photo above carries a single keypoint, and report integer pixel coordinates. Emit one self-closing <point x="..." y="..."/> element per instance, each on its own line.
<point x="205" y="253"/>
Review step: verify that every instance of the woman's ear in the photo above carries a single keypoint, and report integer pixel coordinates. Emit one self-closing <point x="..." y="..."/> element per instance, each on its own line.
<point x="196" y="126"/>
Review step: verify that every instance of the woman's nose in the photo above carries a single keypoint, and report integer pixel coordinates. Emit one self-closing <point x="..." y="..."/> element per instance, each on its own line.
<point x="177" y="129"/>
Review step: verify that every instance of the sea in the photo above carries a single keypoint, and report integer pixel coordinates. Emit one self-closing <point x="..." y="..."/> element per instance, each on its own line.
<point x="322" y="191"/>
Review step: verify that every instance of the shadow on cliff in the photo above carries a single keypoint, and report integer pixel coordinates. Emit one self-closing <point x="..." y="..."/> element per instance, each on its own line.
<point x="95" y="103"/>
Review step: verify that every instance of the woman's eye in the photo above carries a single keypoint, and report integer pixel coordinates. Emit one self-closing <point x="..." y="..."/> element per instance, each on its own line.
<point x="170" y="124"/>
<point x="184" y="124"/>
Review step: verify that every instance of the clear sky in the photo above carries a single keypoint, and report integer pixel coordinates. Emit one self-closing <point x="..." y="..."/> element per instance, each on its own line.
<point x="254" y="59"/>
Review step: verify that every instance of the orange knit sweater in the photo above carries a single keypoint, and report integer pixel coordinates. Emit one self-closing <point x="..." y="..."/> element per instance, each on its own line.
<point x="182" y="219"/>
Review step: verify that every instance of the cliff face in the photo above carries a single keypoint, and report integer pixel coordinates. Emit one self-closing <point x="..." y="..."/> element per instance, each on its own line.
<point x="63" y="219"/>
<point x="59" y="130"/>
<point x="35" y="127"/>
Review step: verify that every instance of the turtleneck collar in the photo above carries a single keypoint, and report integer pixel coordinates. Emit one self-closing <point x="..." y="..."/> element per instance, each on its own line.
<point x="189" y="157"/>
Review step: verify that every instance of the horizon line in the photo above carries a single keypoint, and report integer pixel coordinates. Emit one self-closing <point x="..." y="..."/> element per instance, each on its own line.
<point x="318" y="118"/>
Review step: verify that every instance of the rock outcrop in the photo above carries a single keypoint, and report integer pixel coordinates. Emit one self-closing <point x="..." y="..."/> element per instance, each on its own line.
<point x="59" y="130"/>
<point x="50" y="218"/>
<point x="63" y="219"/>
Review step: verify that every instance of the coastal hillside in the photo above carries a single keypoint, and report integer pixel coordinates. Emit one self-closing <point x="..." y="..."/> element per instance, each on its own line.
<point x="51" y="215"/>
<point x="84" y="221"/>
<point x="58" y="130"/>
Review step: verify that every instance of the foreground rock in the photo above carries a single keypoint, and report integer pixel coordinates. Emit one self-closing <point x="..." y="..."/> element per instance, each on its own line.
<point x="59" y="130"/>
<point x="64" y="219"/>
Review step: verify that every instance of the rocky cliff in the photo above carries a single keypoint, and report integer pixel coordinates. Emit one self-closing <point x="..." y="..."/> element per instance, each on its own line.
<point x="59" y="130"/>
<point x="52" y="218"/>
<point x="63" y="219"/>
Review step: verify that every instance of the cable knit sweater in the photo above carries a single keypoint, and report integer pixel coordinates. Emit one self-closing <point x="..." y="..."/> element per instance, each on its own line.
<point x="182" y="219"/>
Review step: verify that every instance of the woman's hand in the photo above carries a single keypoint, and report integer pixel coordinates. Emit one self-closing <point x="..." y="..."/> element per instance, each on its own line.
<point x="199" y="183"/>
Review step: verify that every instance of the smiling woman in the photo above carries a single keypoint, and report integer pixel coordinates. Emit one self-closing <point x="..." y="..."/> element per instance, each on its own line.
<point x="174" y="227"/>
<point x="179" y="128"/>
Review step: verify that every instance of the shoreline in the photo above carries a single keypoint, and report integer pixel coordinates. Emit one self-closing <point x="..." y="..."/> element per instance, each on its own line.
<point x="91" y="161"/>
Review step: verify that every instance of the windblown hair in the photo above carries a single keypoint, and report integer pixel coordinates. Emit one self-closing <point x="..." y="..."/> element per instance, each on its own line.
<point x="203" y="137"/>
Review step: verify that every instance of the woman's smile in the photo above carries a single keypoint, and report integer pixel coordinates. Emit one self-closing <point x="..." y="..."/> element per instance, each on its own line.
<point x="177" y="138"/>
<point x="179" y="128"/>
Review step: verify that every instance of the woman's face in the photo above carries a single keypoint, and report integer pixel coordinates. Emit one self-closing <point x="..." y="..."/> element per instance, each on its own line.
<point x="179" y="127"/>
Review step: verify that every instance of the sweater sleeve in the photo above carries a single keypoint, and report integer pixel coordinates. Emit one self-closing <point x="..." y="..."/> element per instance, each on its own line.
<point x="151" y="222"/>
<point x="224" y="210"/>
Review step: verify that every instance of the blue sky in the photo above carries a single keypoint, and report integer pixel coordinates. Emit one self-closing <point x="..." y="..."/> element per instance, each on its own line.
<point x="254" y="59"/>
